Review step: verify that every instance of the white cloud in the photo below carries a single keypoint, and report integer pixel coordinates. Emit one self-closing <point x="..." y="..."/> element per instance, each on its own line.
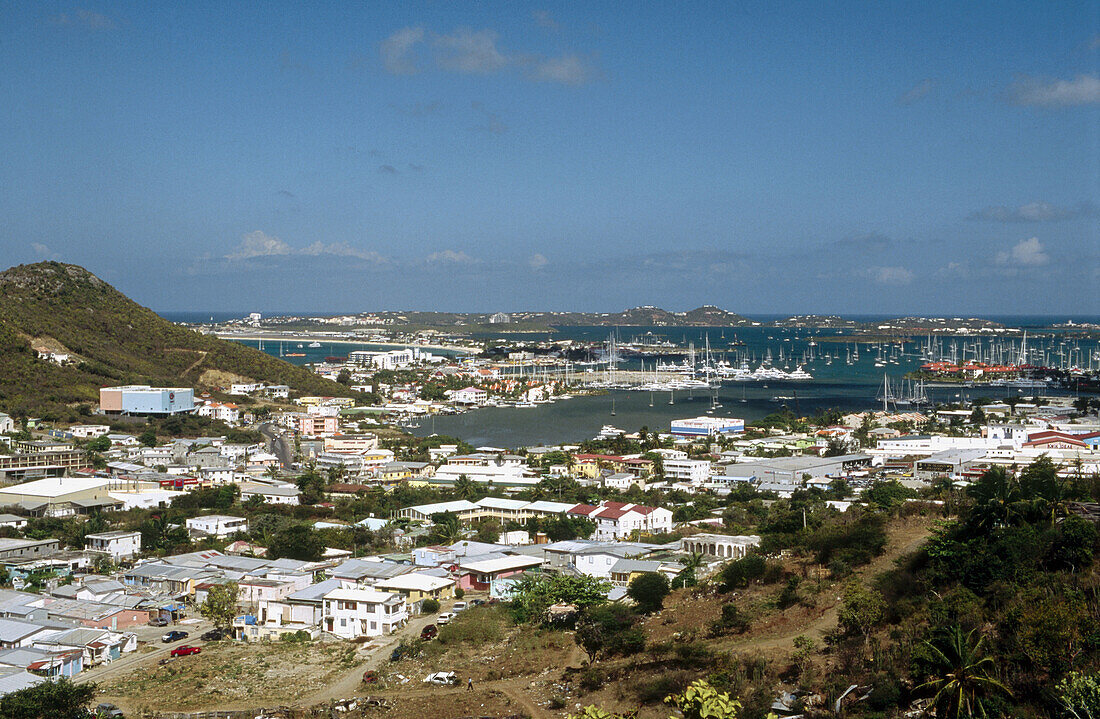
<point x="44" y="252"/>
<point x="477" y="52"/>
<point x="567" y="69"/>
<point x="450" y="257"/>
<point x="537" y="261"/>
<point x="258" y="244"/>
<point x="889" y="275"/>
<point x="1033" y="212"/>
<point x="396" y="50"/>
<point x="1026" y="253"/>
<point x="1044" y="92"/>
<point x="470" y="51"/>
<point x="340" y="249"/>
<point x="953" y="269"/>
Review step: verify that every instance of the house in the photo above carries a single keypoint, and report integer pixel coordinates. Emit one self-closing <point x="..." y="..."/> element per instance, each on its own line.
<point x="478" y="575"/>
<point x="13" y="679"/>
<point x="272" y="494"/>
<point x="118" y="545"/>
<point x="353" y="613"/>
<point x="13" y="521"/>
<point x="617" y="520"/>
<point x="470" y="396"/>
<point x="596" y="560"/>
<point x="624" y="571"/>
<point x="7" y="424"/>
<point x="216" y="525"/>
<point x="318" y="426"/>
<point x="225" y="411"/>
<point x="43" y="663"/>
<point x="722" y="546"/>
<point x="418" y="586"/>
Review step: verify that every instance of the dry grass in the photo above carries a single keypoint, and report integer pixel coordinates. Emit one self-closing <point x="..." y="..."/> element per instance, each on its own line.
<point x="229" y="673"/>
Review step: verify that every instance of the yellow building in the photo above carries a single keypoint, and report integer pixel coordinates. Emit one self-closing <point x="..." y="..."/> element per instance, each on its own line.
<point x="417" y="587"/>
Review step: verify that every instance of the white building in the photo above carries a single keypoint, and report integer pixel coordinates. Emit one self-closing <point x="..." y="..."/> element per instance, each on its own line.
<point x="7" y="424"/>
<point x="119" y="545"/>
<point x="85" y="431"/>
<point x="353" y="613"/>
<point x="217" y="525"/>
<point x="470" y="395"/>
<point x="707" y="426"/>
<point x="616" y="520"/>
<point x="272" y="494"/>
<point x="719" y="545"/>
<point x="694" y="471"/>
<point x="226" y="412"/>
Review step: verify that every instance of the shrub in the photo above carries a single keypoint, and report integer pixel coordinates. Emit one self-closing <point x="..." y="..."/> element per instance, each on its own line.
<point x="741" y="572"/>
<point x="459" y="592"/>
<point x="732" y="620"/>
<point x="592" y="679"/>
<point x="429" y="606"/>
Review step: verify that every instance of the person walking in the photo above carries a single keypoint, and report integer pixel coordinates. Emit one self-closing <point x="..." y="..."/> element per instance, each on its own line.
<point x="469" y="684"/>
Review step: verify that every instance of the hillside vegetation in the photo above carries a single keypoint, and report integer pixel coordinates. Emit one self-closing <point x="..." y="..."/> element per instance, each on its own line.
<point x="113" y="341"/>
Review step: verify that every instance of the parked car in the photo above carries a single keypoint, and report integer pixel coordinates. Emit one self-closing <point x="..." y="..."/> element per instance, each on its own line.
<point x="429" y="632"/>
<point x="186" y="651"/>
<point x="476" y="602"/>
<point x="444" y="618"/>
<point x="396" y="655"/>
<point x="214" y="635"/>
<point x="370" y="676"/>
<point x="441" y="679"/>
<point x="173" y="636"/>
<point x="458" y="607"/>
<point x="107" y="710"/>
<point x="158" y="622"/>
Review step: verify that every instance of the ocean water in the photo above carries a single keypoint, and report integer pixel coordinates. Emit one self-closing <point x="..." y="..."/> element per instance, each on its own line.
<point x="836" y="384"/>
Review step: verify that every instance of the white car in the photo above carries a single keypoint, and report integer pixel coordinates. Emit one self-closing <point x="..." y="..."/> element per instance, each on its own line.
<point x="444" y="618"/>
<point x="441" y="679"/>
<point x="458" y="607"/>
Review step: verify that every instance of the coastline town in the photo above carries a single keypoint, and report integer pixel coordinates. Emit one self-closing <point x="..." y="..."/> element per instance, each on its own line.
<point x="130" y="538"/>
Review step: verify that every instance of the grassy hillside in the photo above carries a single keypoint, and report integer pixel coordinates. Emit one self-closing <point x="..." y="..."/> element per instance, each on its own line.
<point x="114" y="340"/>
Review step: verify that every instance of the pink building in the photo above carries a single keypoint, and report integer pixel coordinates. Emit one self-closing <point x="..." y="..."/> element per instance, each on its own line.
<point x="478" y="575"/>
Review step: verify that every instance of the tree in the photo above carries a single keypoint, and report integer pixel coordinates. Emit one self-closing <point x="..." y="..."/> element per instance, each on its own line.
<point x="148" y="437"/>
<point x="609" y="629"/>
<point x="688" y="577"/>
<point x="861" y="609"/>
<point x="996" y="499"/>
<point x="536" y="593"/>
<point x="648" y="591"/>
<point x="965" y="675"/>
<point x="60" y="699"/>
<point x="220" y="605"/>
<point x="296" y="542"/>
<point x="465" y="488"/>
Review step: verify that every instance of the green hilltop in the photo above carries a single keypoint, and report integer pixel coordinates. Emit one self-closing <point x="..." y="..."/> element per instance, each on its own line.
<point x="113" y="340"/>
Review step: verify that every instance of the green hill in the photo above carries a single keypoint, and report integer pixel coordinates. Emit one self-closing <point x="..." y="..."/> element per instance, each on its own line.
<point x="112" y="340"/>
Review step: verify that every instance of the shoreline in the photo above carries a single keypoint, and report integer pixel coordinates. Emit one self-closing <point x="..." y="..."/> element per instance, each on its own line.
<point x="333" y="340"/>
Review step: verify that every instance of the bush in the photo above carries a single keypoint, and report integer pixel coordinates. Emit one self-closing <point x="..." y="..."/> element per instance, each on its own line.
<point x="299" y="637"/>
<point x="459" y="593"/>
<point x="648" y="591"/>
<point x="429" y="606"/>
<point x="592" y="678"/>
<point x="733" y="620"/>
<point x="739" y="573"/>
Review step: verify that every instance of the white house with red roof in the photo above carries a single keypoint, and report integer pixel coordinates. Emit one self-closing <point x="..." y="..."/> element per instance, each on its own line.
<point x="225" y="411"/>
<point x="618" y="520"/>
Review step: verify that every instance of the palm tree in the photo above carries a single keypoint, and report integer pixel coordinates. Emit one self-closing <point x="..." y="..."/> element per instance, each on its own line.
<point x="691" y="563"/>
<point x="464" y="487"/>
<point x="965" y="676"/>
<point x="997" y="499"/>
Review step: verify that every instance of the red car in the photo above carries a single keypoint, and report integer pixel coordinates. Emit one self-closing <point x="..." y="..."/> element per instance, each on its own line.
<point x="185" y="651"/>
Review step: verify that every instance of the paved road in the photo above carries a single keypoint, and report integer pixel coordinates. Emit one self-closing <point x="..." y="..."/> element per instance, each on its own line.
<point x="277" y="444"/>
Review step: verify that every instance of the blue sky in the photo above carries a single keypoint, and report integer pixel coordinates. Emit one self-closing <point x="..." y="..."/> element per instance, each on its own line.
<point x="765" y="157"/>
